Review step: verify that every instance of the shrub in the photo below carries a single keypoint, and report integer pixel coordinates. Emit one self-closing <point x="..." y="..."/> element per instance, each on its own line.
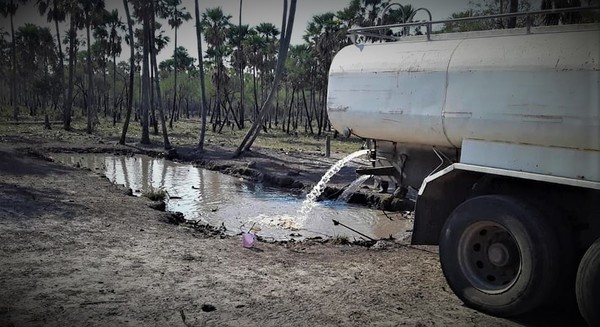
<point x="156" y="194"/>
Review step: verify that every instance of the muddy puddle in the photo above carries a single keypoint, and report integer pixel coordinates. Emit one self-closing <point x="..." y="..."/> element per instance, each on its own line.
<point x="218" y="199"/>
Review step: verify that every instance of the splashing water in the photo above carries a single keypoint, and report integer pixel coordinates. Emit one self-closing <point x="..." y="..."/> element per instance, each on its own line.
<point x="311" y="197"/>
<point x="345" y="196"/>
<point x="285" y="221"/>
<point x="297" y="221"/>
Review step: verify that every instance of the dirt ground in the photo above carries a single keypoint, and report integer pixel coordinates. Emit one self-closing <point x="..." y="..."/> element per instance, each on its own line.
<point x="75" y="250"/>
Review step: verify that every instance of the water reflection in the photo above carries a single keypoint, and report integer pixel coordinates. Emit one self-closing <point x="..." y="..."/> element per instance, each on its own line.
<point x="215" y="198"/>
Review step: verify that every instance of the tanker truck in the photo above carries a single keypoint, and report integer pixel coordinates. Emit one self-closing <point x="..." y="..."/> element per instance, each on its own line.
<point x="499" y="132"/>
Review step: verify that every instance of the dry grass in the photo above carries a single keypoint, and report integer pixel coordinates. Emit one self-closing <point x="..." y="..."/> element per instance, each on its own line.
<point x="186" y="132"/>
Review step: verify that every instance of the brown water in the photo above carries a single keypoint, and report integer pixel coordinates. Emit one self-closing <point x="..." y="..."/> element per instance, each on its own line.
<point x="215" y="198"/>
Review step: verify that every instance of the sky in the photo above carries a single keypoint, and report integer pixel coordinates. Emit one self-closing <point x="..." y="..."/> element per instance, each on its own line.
<point x="253" y="12"/>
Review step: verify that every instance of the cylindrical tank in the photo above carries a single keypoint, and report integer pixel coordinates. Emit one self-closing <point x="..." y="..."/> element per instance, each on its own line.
<point x="541" y="88"/>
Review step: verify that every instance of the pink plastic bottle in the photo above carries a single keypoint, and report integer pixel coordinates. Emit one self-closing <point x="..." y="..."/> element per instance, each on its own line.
<point x="248" y="240"/>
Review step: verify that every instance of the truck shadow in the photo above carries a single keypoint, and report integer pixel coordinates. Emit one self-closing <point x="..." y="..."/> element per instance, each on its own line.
<point x="550" y="317"/>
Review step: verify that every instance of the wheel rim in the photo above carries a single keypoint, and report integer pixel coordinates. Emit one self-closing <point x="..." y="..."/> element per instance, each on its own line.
<point x="489" y="257"/>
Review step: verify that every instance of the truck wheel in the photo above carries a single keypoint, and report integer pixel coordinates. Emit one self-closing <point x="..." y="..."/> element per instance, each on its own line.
<point x="499" y="255"/>
<point x="587" y="286"/>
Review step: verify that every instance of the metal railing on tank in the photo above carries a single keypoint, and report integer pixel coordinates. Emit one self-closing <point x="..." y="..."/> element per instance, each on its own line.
<point x="372" y="31"/>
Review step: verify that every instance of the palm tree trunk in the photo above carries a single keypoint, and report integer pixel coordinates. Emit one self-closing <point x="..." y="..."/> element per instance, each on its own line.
<point x="217" y="111"/>
<point x="277" y="109"/>
<point x="202" y="84"/>
<point x="90" y="106"/>
<point x="69" y="99"/>
<point x="255" y="94"/>
<point x="131" y="73"/>
<point x="174" y="81"/>
<point x="153" y="73"/>
<point x="514" y="7"/>
<point x="104" y="101"/>
<point x="297" y="112"/>
<point x="145" y="79"/>
<point x="289" y="115"/>
<point x="158" y="101"/>
<point x="13" y="88"/>
<point x="285" y="101"/>
<point x="235" y="118"/>
<point x="114" y="98"/>
<point x="322" y="112"/>
<point x="152" y="96"/>
<point x="138" y="106"/>
<point x="61" y="68"/>
<point x="308" y="116"/>
<point x="241" y="53"/>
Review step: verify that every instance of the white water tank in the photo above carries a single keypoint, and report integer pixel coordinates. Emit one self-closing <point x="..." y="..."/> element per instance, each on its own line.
<point x="541" y="88"/>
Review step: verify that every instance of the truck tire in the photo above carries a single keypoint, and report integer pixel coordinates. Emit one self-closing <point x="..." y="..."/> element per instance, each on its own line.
<point x="499" y="255"/>
<point x="587" y="286"/>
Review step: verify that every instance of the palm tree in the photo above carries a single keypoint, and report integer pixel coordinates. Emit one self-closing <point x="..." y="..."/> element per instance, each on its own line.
<point x="146" y="85"/>
<point x="241" y="34"/>
<point x="71" y="8"/>
<point x="157" y="43"/>
<point x="239" y="61"/>
<point x="565" y="18"/>
<point x="465" y="26"/>
<point x="155" y="47"/>
<point x="323" y="35"/>
<point x="56" y="14"/>
<point x="90" y="10"/>
<point x="216" y="26"/>
<point x="131" y="72"/>
<point x="286" y="30"/>
<point x="300" y="69"/>
<point x="269" y="33"/>
<point x="151" y="44"/>
<point x="370" y="12"/>
<point x="5" y="64"/>
<point x="176" y="17"/>
<point x="36" y="50"/>
<point x="9" y="8"/>
<point x="201" y="74"/>
<point x="100" y="55"/>
<point x="114" y="23"/>
<point x="350" y="16"/>
<point x="255" y="47"/>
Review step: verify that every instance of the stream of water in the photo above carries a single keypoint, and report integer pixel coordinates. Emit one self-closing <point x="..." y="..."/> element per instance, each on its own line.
<point x="215" y="198"/>
<point x="311" y="197"/>
<point x="352" y="188"/>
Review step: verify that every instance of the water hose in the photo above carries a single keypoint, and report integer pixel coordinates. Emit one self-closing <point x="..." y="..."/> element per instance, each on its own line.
<point x="335" y="223"/>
